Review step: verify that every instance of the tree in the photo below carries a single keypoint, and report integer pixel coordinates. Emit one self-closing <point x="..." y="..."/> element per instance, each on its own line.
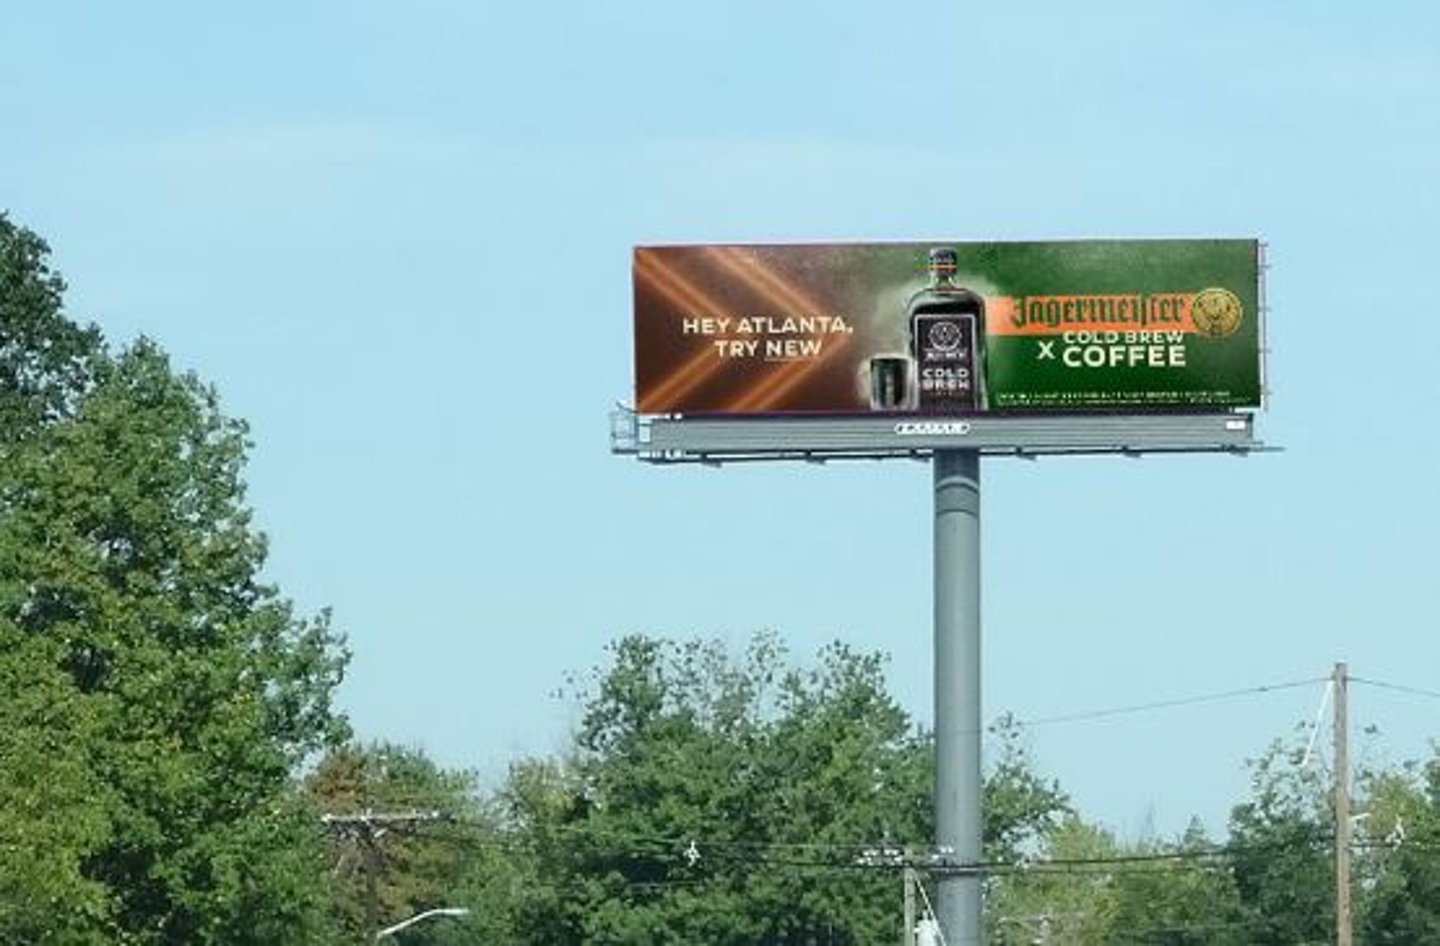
<point x="407" y="836"/>
<point x="1399" y="838"/>
<point x="730" y="800"/>
<point x="1280" y="851"/>
<point x="721" y="801"/>
<point x="537" y="809"/>
<point x="168" y="693"/>
<point x="53" y="811"/>
<point x="1028" y="903"/>
<point x="1185" y="895"/>
<point x="45" y="359"/>
<point x="1022" y="810"/>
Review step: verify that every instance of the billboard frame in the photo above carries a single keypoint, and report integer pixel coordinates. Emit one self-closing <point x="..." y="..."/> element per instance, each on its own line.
<point x="708" y="439"/>
<point x="708" y="283"/>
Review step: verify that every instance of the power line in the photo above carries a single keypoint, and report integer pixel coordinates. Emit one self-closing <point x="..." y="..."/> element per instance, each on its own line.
<point x="1170" y="704"/>
<point x="858" y="856"/>
<point x="854" y="854"/>
<point x="1399" y="688"/>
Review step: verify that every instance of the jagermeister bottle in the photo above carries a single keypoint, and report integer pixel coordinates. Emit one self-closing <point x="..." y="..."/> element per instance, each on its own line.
<point x="947" y="338"/>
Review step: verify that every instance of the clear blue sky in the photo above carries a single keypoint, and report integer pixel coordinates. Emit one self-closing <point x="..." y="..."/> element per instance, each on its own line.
<point x="397" y="237"/>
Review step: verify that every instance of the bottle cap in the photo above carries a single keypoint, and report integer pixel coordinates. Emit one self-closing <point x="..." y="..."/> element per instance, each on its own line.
<point x="943" y="261"/>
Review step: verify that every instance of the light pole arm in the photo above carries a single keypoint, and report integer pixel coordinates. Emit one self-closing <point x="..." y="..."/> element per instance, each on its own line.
<point x="438" y="911"/>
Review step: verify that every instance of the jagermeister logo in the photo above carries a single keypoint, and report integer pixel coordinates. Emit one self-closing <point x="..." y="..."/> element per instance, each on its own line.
<point x="1216" y="312"/>
<point x="945" y="336"/>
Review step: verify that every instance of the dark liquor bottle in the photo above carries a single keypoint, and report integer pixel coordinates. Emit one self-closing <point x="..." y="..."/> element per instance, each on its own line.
<point x="947" y="338"/>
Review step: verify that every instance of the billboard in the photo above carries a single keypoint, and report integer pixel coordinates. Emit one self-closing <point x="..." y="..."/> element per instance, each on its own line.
<point x="948" y="328"/>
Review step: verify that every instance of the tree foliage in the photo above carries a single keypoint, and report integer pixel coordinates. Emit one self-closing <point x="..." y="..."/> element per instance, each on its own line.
<point x="1281" y="851"/>
<point x="1399" y="856"/>
<point x="1185" y="897"/>
<point x="709" y="799"/>
<point x="45" y="358"/>
<point x="715" y="799"/>
<point x="427" y="842"/>
<point x="725" y="800"/>
<point x="1023" y="905"/>
<point x="162" y="693"/>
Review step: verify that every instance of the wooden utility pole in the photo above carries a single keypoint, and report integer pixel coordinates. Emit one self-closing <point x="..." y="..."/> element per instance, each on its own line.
<point x="1344" y="935"/>
<point x="911" y="879"/>
<point x="366" y="828"/>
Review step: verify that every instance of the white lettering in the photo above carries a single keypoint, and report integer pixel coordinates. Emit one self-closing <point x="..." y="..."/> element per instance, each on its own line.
<point x="1095" y="355"/>
<point x="703" y="326"/>
<point x="932" y="428"/>
<point x="726" y="349"/>
<point x="791" y="347"/>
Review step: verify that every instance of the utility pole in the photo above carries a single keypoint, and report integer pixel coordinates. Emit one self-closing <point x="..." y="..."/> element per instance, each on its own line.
<point x="1344" y="935"/>
<point x="911" y="879"/>
<point x="366" y="828"/>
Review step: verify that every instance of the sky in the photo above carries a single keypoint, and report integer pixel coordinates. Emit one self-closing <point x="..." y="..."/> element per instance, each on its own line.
<point x="397" y="239"/>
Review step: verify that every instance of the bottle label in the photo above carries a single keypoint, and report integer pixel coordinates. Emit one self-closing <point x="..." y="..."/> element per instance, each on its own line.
<point x="947" y="366"/>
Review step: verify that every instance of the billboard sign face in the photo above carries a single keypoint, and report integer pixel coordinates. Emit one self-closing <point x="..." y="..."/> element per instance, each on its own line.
<point x="948" y="329"/>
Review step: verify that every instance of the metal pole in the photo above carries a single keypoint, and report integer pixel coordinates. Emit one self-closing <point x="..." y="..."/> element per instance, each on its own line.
<point x="957" y="691"/>
<point x="1344" y="934"/>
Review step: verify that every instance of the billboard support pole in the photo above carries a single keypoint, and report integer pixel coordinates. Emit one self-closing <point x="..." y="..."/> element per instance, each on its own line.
<point x="957" y="694"/>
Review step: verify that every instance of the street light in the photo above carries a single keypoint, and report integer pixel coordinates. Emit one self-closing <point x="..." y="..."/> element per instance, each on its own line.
<point x="438" y="911"/>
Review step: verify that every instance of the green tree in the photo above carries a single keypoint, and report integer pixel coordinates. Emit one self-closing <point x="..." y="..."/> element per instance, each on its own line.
<point x="538" y="811"/>
<point x="1022" y="809"/>
<point x="164" y="694"/>
<point x="1185" y="895"/>
<point x="1280" y="844"/>
<point x="730" y="800"/>
<point x="721" y="801"/>
<point x="53" y="808"/>
<point x="407" y="836"/>
<point x="1029" y="902"/>
<point x="1397" y="863"/>
<point x="45" y="358"/>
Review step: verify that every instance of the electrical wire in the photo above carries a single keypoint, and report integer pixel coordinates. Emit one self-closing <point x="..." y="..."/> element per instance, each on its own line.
<point x="1170" y="704"/>
<point x="1399" y="688"/>
<point x="862" y="857"/>
<point x="851" y="857"/>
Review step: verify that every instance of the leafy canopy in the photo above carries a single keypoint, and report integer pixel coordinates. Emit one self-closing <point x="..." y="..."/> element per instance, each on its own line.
<point x="160" y="693"/>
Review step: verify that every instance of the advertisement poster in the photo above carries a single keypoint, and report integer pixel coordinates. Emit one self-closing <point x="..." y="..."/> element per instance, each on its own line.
<point x="948" y="328"/>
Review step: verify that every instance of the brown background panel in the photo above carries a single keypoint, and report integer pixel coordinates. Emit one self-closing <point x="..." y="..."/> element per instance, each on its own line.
<point x="683" y="373"/>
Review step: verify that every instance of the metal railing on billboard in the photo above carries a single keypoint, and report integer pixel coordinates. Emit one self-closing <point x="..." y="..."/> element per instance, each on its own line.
<point x="710" y="439"/>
